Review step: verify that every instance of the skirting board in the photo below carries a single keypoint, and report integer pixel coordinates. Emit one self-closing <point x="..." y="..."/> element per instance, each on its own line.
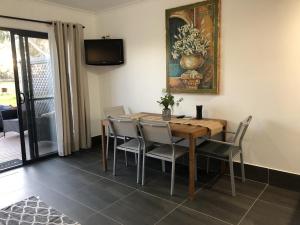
<point x="256" y="173"/>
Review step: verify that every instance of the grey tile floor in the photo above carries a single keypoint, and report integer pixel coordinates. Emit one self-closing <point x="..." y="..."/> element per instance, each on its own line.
<point x="78" y="187"/>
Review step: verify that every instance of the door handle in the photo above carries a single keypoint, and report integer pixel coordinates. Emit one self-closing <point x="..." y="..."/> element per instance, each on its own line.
<point x="22" y="98"/>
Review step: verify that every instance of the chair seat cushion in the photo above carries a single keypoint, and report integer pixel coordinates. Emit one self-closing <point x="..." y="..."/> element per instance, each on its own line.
<point x="131" y="144"/>
<point x="165" y="151"/>
<point x="134" y="144"/>
<point x="209" y="148"/>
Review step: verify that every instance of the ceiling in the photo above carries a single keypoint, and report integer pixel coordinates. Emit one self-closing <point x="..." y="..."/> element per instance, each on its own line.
<point x="92" y="5"/>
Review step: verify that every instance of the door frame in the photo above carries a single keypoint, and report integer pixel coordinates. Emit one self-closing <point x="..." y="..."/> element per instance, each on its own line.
<point x="33" y="146"/>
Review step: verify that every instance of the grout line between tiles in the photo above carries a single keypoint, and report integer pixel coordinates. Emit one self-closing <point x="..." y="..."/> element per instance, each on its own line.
<point x="162" y="218"/>
<point x="170" y="201"/>
<point x="104" y="216"/>
<point x="110" y="218"/>
<point x="246" y="213"/>
<point x="240" y="178"/>
<point x="120" y="199"/>
<point x="196" y="211"/>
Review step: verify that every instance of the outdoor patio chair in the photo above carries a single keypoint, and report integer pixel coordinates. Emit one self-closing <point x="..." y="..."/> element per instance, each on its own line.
<point x="3" y="108"/>
<point x="11" y="121"/>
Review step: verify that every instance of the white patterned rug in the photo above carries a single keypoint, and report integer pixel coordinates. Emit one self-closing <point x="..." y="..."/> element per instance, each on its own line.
<point x="33" y="211"/>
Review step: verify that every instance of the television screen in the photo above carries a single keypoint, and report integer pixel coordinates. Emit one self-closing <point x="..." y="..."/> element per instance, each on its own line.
<point x="104" y="52"/>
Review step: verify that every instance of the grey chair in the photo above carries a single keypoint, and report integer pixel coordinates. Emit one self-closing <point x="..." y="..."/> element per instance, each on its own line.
<point x="114" y="112"/>
<point x="160" y="132"/>
<point x="121" y="127"/>
<point x="227" y="150"/>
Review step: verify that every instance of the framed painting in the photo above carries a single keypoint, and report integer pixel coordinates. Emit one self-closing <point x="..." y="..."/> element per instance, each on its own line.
<point x="193" y="33"/>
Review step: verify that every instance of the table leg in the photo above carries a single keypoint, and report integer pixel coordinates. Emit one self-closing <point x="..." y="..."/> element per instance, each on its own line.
<point x="192" y="143"/>
<point x="103" y="143"/>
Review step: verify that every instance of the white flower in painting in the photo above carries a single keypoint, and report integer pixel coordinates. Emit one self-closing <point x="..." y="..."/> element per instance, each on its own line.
<point x="190" y="40"/>
<point x="174" y="55"/>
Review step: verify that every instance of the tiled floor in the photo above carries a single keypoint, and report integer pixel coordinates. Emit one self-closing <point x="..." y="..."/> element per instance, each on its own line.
<point x="78" y="187"/>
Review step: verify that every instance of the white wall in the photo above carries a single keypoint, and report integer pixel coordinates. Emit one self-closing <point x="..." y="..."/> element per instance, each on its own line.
<point x="259" y="71"/>
<point x="35" y="9"/>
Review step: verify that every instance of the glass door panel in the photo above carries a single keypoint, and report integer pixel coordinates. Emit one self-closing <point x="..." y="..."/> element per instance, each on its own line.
<point x="42" y="94"/>
<point x="27" y="112"/>
<point x="23" y="90"/>
<point x="36" y="87"/>
<point x="10" y="137"/>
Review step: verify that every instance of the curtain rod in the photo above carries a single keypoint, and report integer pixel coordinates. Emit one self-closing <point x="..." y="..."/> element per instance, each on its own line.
<point x="25" y="19"/>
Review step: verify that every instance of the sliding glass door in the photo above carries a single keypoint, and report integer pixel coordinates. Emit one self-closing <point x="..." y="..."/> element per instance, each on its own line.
<point x="34" y="93"/>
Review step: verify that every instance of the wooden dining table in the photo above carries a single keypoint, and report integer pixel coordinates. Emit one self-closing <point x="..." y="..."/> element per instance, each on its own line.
<point x="188" y="132"/>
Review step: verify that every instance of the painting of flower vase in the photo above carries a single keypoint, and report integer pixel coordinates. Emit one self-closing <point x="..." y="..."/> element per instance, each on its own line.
<point x="193" y="48"/>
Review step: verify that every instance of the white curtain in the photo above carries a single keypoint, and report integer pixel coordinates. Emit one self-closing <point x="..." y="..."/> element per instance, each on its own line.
<point x="71" y="88"/>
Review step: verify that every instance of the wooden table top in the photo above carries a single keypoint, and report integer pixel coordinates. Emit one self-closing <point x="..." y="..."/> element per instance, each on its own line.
<point x="183" y="130"/>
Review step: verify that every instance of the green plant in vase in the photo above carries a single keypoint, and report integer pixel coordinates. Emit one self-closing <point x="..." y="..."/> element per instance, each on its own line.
<point x="168" y="101"/>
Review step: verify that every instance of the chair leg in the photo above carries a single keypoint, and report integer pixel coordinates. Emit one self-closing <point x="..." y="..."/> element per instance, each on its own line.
<point x="125" y="154"/>
<point x="143" y="169"/>
<point x="172" y="177"/>
<point x="115" y="157"/>
<point x="207" y="165"/>
<point x="196" y="169"/>
<point x="138" y="167"/>
<point x="242" y="167"/>
<point x="126" y="161"/>
<point x="107" y="146"/>
<point x="231" y="175"/>
<point x="135" y="159"/>
<point x="163" y="166"/>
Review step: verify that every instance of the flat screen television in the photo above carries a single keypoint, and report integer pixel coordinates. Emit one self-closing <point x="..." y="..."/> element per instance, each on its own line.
<point x="103" y="52"/>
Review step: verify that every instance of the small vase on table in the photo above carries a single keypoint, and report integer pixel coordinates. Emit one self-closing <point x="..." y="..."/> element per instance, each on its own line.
<point x="166" y="114"/>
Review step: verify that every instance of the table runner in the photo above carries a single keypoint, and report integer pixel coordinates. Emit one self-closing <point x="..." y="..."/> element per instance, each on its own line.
<point x="214" y="126"/>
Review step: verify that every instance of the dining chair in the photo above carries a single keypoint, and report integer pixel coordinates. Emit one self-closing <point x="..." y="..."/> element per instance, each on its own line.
<point x="121" y="127"/>
<point x="227" y="150"/>
<point x="160" y="132"/>
<point x="114" y="112"/>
